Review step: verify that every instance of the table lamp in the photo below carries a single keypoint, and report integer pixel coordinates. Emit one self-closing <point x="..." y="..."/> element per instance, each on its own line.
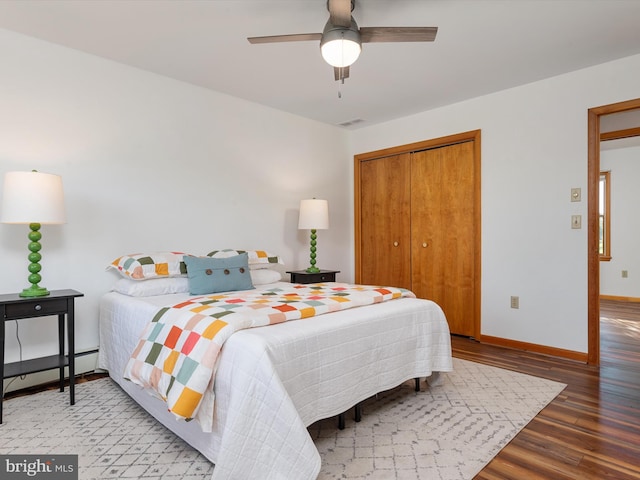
<point x="314" y="215"/>
<point x="33" y="198"/>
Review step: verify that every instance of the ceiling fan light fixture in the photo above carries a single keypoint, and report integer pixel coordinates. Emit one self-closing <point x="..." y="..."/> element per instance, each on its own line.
<point x="340" y="46"/>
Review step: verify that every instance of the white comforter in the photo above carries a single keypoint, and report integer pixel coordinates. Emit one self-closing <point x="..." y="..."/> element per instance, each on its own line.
<point x="272" y="382"/>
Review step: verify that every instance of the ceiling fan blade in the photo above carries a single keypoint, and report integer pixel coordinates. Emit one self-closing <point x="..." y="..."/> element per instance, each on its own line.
<point x="340" y="12"/>
<point x="398" y="34"/>
<point x="340" y="73"/>
<point x="296" y="37"/>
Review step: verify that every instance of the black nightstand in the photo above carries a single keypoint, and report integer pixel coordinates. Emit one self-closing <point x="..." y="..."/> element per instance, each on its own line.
<point x="58" y="302"/>
<point x="302" y="276"/>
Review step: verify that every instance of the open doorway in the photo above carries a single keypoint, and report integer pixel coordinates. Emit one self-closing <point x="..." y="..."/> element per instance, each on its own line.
<point x="595" y="118"/>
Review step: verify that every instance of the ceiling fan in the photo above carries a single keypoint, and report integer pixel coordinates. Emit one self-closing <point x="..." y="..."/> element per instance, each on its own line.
<point x="341" y="40"/>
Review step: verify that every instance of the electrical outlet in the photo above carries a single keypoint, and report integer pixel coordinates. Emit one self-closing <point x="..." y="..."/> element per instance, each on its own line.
<point x="625" y="273"/>
<point x="515" y="302"/>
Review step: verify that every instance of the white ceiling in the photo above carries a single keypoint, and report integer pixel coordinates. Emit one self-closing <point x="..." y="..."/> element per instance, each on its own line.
<point x="482" y="46"/>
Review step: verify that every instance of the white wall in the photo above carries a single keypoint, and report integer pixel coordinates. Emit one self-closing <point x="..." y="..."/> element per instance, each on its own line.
<point x="534" y="150"/>
<point x="150" y="164"/>
<point x="624" y="164"/>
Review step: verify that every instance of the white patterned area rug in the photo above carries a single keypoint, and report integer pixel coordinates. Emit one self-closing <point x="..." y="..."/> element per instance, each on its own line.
<point x="449" y="431"/>
<point x="444" y="432"/>
<point x="112" y="436"/>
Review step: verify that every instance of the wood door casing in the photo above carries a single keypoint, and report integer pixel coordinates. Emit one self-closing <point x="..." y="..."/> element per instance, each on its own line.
<point x="442" y="229"/>
<point x="385" y="228"/>
<point x="593" y="257"/>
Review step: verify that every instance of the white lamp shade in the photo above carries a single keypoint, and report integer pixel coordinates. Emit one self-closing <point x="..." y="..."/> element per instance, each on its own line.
<point x="314" y="214"/>
<point x="340" y="52"/>
<point x="32" y="197"/>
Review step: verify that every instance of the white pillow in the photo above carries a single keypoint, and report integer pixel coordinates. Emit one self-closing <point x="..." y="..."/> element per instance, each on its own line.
<point x="151" y="287"/>
<point x="144" y="266"/>
<point x="264" y="276"/>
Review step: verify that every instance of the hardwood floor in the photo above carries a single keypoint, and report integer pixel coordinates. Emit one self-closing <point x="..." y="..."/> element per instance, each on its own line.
<point x="592" y="429"/>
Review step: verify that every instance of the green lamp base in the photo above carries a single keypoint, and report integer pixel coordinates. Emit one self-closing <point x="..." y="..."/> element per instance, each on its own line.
<point x="312" y="253"/>
<point x="34" y="291"/>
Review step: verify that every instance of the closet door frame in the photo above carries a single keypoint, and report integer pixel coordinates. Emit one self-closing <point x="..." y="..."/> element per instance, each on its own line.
<point x="470" y="136"/>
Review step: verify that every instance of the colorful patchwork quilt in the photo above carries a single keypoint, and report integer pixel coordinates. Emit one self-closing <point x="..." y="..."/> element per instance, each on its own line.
<point x="176" y="356"/>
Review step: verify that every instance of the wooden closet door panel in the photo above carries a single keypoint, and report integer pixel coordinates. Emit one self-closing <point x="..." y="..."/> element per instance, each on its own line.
<point x="443" y="219"/>
<point x="427" y="234"/>
<point x="385" y="221"/>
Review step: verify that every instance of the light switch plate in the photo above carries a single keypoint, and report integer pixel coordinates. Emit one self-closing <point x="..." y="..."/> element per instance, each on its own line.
<point x="576" y="221"/>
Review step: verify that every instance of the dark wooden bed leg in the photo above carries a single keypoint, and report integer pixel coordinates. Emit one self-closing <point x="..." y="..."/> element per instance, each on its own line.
<point x="358" y="412"/>
<point x="417" y="384"/>
<point x="341" y="421"/>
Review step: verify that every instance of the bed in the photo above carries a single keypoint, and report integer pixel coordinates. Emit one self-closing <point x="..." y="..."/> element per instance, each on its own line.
<point x="272" y="382"/>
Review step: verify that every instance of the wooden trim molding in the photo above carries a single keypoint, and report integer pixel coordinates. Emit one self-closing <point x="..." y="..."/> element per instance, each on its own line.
<point x="618" y="134"/>
<point x="620" y="299"/>
<point x="593" y="258"/>
<point x="532" y="347"/>
<point x="593" y="238"/>
<point x="473" y="135"/>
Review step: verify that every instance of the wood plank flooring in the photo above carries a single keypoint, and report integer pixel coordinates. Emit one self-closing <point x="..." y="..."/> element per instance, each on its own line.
<point x="592" y="429"/>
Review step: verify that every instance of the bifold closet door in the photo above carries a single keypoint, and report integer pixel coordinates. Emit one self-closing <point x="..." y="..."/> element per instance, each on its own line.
<point x="385" y="221"/>
<point x="442" y="226"/>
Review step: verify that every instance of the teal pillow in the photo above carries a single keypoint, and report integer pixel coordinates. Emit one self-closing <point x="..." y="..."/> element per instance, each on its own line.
<point x="212" y="275"/>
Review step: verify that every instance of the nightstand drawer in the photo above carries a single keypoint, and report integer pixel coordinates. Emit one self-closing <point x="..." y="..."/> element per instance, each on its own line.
<point x="35" y="308"/>
<point x="320" y="277"/>
<point x="302" y="276"/>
